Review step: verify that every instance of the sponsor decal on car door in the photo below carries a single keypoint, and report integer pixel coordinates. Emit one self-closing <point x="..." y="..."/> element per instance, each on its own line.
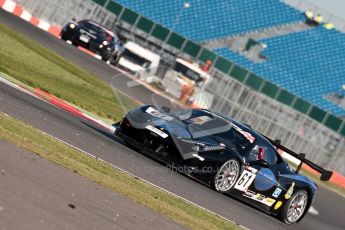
<point x="262" y="181"/>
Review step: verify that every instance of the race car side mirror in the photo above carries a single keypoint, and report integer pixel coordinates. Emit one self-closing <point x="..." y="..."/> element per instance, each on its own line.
<point x="166" y="109"/>
<point x="301" y="155"/>
<point x="277" y="143"/>
<point x="260" y="162"/>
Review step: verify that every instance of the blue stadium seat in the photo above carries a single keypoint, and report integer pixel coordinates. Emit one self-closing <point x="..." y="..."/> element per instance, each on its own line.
<point x="207" y="20"/>
<point x="309" y="64"/>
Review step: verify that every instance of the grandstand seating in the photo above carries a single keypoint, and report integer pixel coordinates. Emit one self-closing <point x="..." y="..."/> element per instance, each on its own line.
<point x="208" y="20"/>
<point x="308" y="64"/>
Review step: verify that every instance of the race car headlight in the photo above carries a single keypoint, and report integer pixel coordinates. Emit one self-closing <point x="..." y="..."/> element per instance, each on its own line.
<point x="105" y="43"/>
<point x="72" y="26"/>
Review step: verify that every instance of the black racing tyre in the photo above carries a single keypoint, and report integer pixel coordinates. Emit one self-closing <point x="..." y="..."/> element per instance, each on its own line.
<point x="105" y="58"/>
<point x="295" y="207"/>
<point x="129" y="145"/>
<point x="226" y="176"/>
<point x="114" y="59"/>
<point x="63" y="37"/>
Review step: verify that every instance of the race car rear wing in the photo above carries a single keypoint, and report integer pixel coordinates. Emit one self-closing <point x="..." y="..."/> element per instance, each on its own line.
<point x="325" y="174"/>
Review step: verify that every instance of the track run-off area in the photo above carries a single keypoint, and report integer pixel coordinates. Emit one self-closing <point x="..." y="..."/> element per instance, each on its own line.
<point x="329" y="206"/>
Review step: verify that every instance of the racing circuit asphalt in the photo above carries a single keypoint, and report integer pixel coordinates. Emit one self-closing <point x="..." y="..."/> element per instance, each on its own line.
<point x="40" y="202"/>
<point x="95" y="140"/>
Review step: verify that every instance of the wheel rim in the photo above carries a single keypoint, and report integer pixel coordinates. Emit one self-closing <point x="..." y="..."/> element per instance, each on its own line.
<point x="227" y="175"/>
<point x="296" y="207"/>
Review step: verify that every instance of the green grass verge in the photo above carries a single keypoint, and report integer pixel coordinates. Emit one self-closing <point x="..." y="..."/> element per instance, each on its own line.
<point x="26" y="137"/>
<point x="36" y="66"/>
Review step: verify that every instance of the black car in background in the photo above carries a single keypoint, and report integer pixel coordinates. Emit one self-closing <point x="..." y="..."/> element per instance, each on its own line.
<point x="227" y="155"/>
<point x="92" y="36"/>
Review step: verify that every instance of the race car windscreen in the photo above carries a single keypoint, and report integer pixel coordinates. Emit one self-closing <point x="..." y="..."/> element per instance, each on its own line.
<point x="109" y="38"/>
<point x="205" y="126"/>
<point x="93" y="28"/>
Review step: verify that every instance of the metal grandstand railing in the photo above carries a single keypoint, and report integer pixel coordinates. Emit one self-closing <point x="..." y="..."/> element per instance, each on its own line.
<point x="237" y="92"/>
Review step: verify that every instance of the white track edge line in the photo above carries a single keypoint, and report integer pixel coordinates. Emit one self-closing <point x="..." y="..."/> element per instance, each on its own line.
<point x="139" y="178"/>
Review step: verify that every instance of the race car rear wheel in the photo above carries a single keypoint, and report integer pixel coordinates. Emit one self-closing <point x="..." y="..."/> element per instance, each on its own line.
<point x="295" y="207"/>
<point x="226" y="176"/>
<point x="105" y="58"/>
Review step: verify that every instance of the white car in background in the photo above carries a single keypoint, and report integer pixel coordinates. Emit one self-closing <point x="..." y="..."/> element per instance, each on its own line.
<point x="137" y="60"/>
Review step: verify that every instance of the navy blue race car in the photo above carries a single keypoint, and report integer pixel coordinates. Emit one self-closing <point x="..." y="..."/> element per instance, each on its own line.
<point x="229" y="156"/>
<point x="92" y="36"/>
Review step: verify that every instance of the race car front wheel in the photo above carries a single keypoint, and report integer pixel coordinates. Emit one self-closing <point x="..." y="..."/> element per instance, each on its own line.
<point x="294" y="207"/>
<point x="63" y="36"/>
<point x="226" y="176"/>
<point x="105" y="58"/>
